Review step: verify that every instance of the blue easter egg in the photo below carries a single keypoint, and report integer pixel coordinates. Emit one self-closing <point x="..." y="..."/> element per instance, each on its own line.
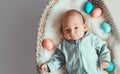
<point x="106" y="27"/>
<point x="88" y="6"/>
<point x="111" y="67"/>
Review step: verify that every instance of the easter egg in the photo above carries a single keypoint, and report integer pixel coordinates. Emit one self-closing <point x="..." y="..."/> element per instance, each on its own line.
<point x="88" y="6"/>
<point x="106" y="27"/>
<point x="111" y="67"/>
<point x="96" y="12"/>
<point x="48" y="44"/>
<point x="105" y="72"/>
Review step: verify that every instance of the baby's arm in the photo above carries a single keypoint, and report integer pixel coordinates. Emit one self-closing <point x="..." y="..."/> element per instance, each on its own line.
<point x="103" y="52"/>
<point x="57" y="60"/>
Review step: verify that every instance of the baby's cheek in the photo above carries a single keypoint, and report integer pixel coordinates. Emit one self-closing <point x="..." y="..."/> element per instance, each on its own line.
<point x="80" y="32"/>
<point x="67" y="36"/>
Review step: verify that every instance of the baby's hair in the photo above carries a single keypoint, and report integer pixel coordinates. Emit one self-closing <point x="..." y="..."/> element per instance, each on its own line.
<point x="72" y="12"/>
<point x="69" y="13"/>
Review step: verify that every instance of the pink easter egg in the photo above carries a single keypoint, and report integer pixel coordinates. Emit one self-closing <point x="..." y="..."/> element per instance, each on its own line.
<point x="48" y="44"/>
<point x="96" y="12"/>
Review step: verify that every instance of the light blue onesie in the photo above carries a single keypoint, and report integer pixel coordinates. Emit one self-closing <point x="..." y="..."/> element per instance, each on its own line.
<point x="80" y="56"/>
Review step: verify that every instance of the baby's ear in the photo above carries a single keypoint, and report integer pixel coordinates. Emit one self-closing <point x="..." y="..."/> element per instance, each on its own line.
<point x="61" y="29"/>
<point x="85" y="27"/>
<point x="61" y="32"/>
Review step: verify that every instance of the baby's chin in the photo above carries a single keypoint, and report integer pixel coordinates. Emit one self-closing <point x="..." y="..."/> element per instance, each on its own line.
<point x="73" y="39"/>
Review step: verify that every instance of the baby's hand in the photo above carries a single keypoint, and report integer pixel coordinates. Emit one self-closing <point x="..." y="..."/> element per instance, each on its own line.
<point x="42" y="68"/>
<point x="104" y="65"/>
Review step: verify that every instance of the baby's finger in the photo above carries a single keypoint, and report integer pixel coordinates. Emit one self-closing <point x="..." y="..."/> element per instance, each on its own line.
<point x="38" y="68"/>
<point x="103" y="66"/>
<point x="106" y="65"/>
<point x="43" y="68"/>
<point x="39" y="65"/>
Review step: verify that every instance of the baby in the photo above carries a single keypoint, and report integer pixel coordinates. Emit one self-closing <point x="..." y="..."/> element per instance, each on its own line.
<point x="81" y="51"/>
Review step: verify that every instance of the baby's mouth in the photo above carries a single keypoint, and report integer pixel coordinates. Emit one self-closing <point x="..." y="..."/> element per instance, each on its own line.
<point x="73" y="37"/>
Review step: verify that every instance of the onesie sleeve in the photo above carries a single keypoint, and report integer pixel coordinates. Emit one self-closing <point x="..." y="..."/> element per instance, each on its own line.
<point x="102" y="50"/>
<point x="57" y="60"/>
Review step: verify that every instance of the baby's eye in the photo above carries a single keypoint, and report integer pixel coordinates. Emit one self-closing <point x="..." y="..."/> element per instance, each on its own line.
<point x="76" y="27"/>
<point x="67" y="30"/>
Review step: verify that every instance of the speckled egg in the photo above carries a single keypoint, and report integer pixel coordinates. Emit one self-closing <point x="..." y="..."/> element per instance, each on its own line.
<point x="88" y="6"/>
<point x="48" y="44"/>
<point x="96" y="12"/>
<point x="106" y="27"/>
<point x="110" y="68"/>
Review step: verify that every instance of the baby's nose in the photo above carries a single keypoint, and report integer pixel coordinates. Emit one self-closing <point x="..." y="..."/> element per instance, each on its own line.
<point x="72" y="32"/>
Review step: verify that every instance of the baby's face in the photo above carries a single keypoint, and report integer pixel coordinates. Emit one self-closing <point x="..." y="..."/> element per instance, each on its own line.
<point x="73" y="27"/>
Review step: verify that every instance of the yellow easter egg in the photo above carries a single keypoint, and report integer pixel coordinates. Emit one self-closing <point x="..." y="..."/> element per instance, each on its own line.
<point x="48" y="44"/>
<point x="96" y="12"/>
